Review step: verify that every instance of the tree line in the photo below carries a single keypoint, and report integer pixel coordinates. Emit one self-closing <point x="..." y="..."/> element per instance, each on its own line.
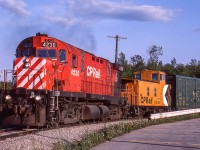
<point x="154" y="62"/>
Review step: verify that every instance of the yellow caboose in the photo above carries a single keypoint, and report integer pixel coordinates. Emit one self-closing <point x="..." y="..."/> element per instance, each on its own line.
<point x="147" y="92"/>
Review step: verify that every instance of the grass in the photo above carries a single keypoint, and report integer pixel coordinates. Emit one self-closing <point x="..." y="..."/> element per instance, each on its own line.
<point x="107" y="133"/>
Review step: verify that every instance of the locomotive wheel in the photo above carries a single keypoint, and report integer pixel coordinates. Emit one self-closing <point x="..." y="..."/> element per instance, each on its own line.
<point x="52" y="125"/>
<point x="141" y="113"/>
<point x="116" y="113"/>
<point x="69" y="117"/>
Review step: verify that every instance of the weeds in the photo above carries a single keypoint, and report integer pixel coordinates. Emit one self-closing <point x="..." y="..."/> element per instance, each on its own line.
<point x="107" y="133"/>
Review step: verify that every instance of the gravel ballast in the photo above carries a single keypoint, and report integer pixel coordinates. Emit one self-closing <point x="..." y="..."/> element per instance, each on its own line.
<point x="46" y="140"/>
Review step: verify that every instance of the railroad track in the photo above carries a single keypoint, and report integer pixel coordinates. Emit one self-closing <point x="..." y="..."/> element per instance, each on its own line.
<point x="47" y="138"/>
<point x="12" y="132"/>
<point x="15" y="132"/>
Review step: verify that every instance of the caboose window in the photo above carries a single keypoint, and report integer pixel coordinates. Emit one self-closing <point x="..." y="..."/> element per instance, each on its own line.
<point x="162" y="77"/>
<point x="155" y="92"/>
<point x="138" y="76"/>
<point x="148" y="91"/>
<point x="62" y="55"/>
<point x="50" y="53"/>
<point x="154" y="77"/>
<point x="74" y="61"/>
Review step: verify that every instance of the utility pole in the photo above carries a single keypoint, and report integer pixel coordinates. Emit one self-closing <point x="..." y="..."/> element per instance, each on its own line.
<point x="116" y="37"/>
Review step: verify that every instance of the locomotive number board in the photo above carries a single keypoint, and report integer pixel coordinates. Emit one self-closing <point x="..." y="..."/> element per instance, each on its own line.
<point x="49" y="43"/>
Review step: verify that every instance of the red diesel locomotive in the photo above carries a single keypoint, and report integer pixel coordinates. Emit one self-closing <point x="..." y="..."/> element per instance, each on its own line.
<point x="57" y="83"/>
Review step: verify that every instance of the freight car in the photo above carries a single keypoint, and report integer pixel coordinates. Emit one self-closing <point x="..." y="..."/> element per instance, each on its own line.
<point x="57" y="83"/>
<point x="147" y="92"/>
<point x="185" y="92"/>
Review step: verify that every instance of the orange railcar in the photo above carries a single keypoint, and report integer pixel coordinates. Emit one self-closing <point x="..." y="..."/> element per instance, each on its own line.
<point x="147" y="92"/>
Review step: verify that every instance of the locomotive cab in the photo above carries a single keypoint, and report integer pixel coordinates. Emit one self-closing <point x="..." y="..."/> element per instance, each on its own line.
<point x="37" y="62"/>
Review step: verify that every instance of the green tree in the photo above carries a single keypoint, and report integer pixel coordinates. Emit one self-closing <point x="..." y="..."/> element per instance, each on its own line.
<point x="173" y="62"/>
<point x="138" y="63"/>
<point x="170" y="68"/>
<point x="154" y="53"/>
<point x="182" y="70"/>
<point x="127" y="68"/>
<point x="193" y="68"/>
<point x="8" y="85"/>
<point x="128" y="73"/>
<point x="122" y="59"/>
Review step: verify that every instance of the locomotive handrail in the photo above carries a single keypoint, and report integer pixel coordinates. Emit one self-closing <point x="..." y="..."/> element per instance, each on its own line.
<point x="14" y="75"/>
<point x="4" y="73"/>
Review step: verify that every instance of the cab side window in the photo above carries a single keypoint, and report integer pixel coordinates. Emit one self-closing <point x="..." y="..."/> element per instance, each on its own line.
<point x="62" y="55"/>
<point x="74" y="61"/>
<point x="108" y="69"/>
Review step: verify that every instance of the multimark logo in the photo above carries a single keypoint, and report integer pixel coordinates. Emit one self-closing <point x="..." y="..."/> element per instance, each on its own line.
<point x="93" y="72"/>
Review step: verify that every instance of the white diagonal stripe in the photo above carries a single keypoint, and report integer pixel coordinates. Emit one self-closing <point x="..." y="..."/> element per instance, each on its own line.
<point x="32" y="73"/>
<point x="23" y="82"/>
<point x="43" y="85"/>
<point x="19" y="64"/>
<point x="38" y="79"/>
<point x="24" y="70"/>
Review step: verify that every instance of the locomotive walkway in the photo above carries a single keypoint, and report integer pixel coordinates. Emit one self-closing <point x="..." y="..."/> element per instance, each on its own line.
<point x="183" y="135"/>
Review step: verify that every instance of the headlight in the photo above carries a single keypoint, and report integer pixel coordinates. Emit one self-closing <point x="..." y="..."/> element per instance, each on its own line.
<point x="38" y="98"/>
<point x="8" y="98"/>
<point x="27" y="65"/>
<point x="26" y="60"/>
<point x="32" y="94"/>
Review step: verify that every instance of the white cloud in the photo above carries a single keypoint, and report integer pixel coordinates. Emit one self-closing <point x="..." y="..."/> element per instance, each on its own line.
<point x="15" y="6"/>
<point x="95" y="9"/>
<point x="84" y="12"/>
<point x="61" y="20"/>
<point x="75" y="17"/>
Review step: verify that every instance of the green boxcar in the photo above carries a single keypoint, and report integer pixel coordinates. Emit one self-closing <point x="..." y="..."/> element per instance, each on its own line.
<point x="185" y="92"/>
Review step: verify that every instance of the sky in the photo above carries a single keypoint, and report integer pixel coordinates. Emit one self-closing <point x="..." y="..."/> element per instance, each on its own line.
<point x="174" y="25"/>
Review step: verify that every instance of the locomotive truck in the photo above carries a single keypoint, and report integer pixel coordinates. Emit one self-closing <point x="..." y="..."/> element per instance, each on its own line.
<point x="57" y="83"/>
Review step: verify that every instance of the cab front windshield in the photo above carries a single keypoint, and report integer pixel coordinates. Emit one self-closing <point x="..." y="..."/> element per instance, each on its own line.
<point x="26" y="53"/>
<point x="43" y="53"/>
